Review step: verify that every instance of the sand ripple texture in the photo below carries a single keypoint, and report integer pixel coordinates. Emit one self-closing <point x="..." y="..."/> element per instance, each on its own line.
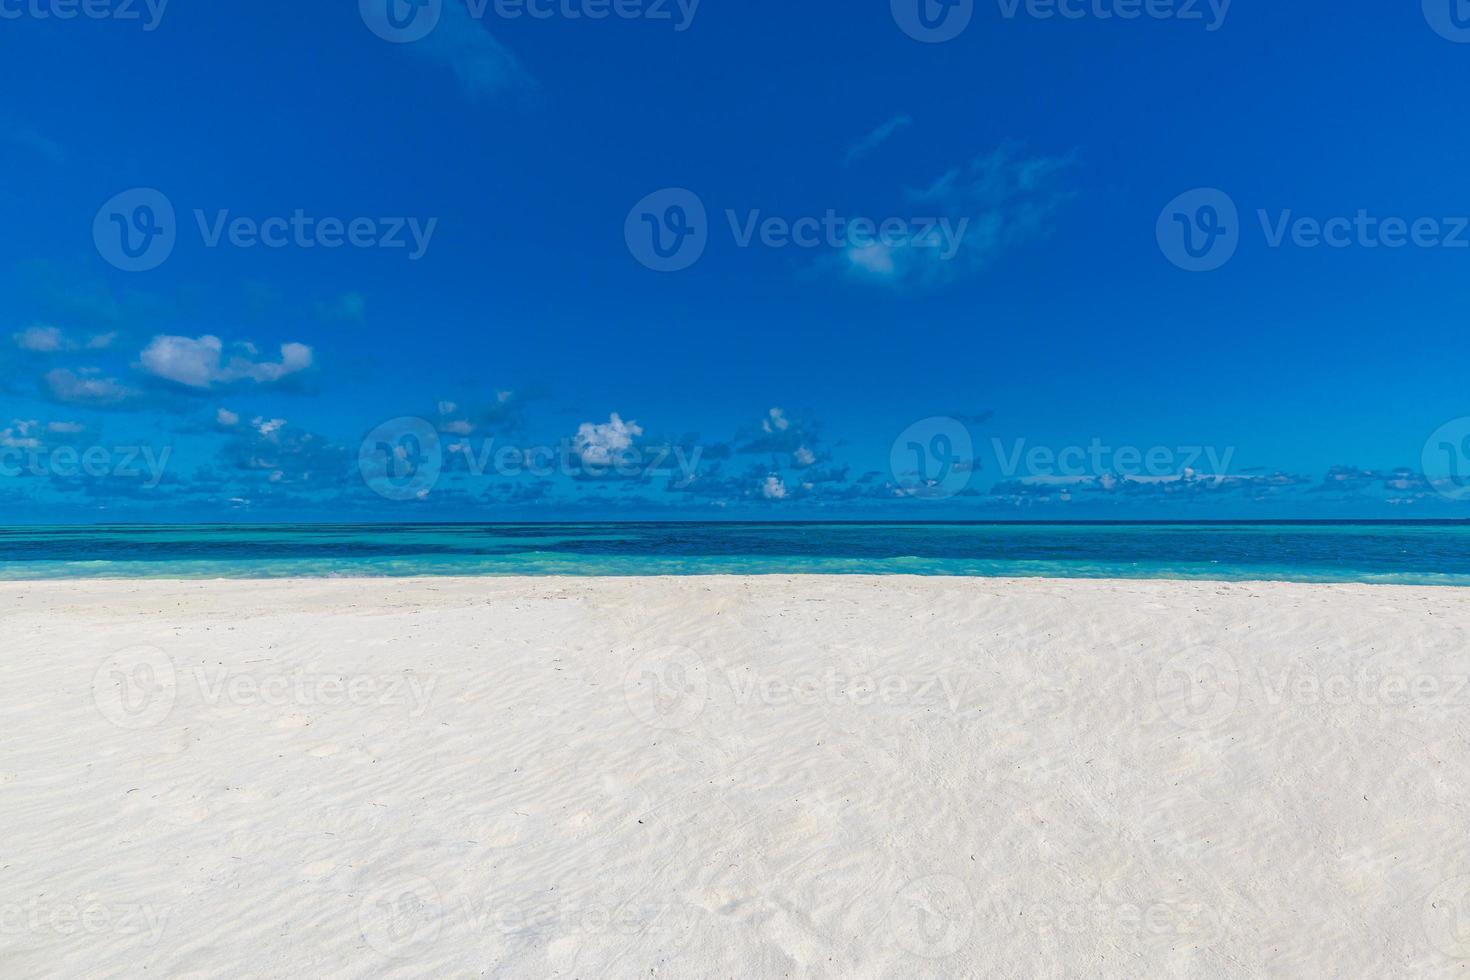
<point x="733" y="777"/>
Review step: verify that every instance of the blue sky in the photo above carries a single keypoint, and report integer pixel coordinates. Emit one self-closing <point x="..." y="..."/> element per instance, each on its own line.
<point x="373" y="276"/>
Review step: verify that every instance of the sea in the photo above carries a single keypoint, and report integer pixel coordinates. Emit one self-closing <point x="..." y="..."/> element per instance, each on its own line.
<point x="1400" y="552"/>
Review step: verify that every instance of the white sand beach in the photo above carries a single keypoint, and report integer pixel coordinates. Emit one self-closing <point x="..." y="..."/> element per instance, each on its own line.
<point x="733" y="777"/>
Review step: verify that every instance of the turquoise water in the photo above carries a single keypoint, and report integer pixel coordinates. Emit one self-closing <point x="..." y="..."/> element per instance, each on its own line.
<point x="1407" y="553"/>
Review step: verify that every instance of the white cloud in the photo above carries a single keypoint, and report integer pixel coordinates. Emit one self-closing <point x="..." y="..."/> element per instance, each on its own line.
<point x="981" y="210"/>
<point x="199" y="362"/>
<point x="775" y="421"/>
<point x="18" y="435"/>
<point x="40" y="338"/>
<point x="875" y="139"/>
<point x="86" y="387"/>
<point x="349" y="307"/>
<point x="876" y="258"/>
<point x="597" y="444"/>
<point x="773" y="488"/>
<point x="195" y="363"/>
<point x="268" y="428"/>
<point x="65" y="428"/>
<point x="458" y="427"/>
<point x="804" y="456"/>
<point x="227" y="418"/>
<point x="483" y="66"/>
<point x="29" y="139"/>
<point x="46" y="339"/>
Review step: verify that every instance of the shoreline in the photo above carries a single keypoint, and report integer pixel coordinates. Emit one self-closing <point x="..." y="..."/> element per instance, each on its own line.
<point x="716" y="576"/>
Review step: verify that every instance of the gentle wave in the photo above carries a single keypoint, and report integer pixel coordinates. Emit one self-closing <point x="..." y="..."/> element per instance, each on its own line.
<point x="1403" y="553"/>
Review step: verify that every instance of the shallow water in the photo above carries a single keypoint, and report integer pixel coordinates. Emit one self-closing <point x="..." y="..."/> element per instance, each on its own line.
<point x="1407" y="553"/>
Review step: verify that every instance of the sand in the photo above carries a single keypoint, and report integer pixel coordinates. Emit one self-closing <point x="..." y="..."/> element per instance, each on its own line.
<point x="733" y="777"/>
